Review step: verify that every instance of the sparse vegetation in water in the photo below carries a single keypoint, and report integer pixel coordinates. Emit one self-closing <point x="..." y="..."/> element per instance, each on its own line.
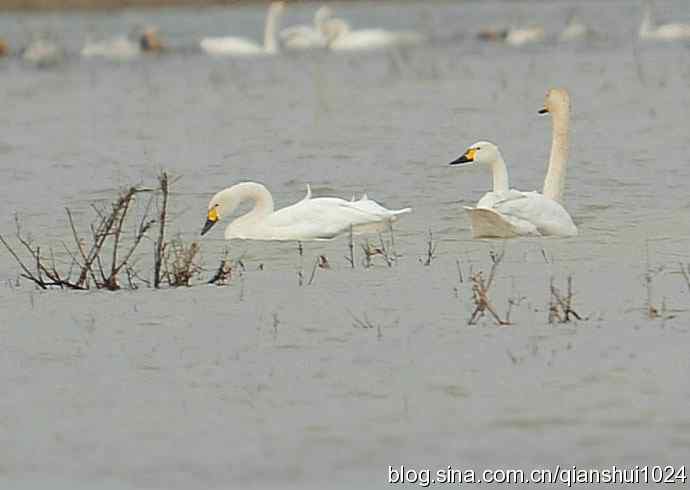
<point x="107" y="257"/>
<point x="430" y="249"/>
<point x="480" y="293"/>
<point x="560" y="306"/>
<point x="99" y="259"/>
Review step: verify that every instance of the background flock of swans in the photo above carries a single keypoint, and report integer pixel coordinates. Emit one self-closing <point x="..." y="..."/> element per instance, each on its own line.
<point x="326" y="32"/>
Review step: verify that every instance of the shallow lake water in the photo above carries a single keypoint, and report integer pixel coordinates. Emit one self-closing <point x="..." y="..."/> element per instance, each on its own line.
<point x="266" y="384"/>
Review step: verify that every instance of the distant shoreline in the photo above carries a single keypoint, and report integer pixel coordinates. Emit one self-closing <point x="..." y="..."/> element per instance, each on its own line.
<point x="117" y="4"/>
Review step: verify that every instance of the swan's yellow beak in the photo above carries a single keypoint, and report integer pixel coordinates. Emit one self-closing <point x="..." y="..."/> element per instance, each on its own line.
<point x="211" y="220"/>
<point x="468" y="157"/>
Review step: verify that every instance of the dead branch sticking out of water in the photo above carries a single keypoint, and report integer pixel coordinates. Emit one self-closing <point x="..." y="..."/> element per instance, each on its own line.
<point x="560" y="307"/>
<point x="385" y="249"/>
<point x="226" y="269"/>
<point x="513" y="300"/>
<point x="321" y="262"/>
<point x="351" y="248"/>
<point x="461" y="279"/>
<point x="300" y="272"/>
<point x="160" y="243"/>
<point x="52" y="276"/>
<point x="480" y="293"/>
<point x="181" y="262"/>
<point x="430" y="249"/>
<point x="108" y="252"/>
<point x="652" y="310"/>
<point x="90" y="260"/>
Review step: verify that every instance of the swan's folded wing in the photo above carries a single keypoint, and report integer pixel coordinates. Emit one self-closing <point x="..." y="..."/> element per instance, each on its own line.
<point x="488" y="223"/>
<point x="373" y="208"/>
<point x="325" y="217"/>
<point x="546" y="215"/>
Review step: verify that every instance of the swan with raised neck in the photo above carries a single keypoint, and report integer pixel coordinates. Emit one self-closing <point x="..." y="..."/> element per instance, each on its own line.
<point x="557" y="103"/>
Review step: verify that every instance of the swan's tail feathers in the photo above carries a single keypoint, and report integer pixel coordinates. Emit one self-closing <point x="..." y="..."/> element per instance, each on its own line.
<point x="364" y="197"/>
<point x="398" y="212"/>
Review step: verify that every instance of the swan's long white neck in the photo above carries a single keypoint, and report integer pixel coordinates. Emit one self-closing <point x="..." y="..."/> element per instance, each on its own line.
<point x="647" y="25"/>
<point x="500" y="174"/>
<point x="249" y="191"/>
<point x="272" y="17"/>
<point x="321" y="16"/>
<point x="554" y="182"/>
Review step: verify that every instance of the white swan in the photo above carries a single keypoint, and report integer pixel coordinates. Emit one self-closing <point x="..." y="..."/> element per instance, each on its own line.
<point x="122" y="48"/>
<point x="662" y="32"/>
<point x="240" y="46"/>
<point x="320" y="218"/>
<point x="119" y="48"/>
<point x="341" y="38"/>
<point x="524" y="35"/>
<point x="43" y="52"/>
<point x="305" y="36"/>
<point x="507" y="213"/>
<point x="575" y="30"/>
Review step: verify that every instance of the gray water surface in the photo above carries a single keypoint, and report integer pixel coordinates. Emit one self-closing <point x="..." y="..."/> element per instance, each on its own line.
<point x="265" y="384"/>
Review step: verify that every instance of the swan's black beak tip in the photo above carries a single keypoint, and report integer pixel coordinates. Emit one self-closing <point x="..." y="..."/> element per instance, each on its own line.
<point x="207" y="226"/>
<point x="461" y="160"/>
<point x="543" y="111"/>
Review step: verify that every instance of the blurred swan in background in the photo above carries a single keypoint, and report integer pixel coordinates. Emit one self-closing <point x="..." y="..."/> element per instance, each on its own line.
<point x="43" y="52"/>
<point x="575" y="30"/>
<point x="305" y="36"/>
<point x="241" y="46"/>
<point x="661" y="32"/>
<point x="524" y="35"/>
<point x="122" y="48"/>
<point x="319" y="218"/>
<point x="117" y="48"/>
<point x="340" y="37"/>
<point x="508" y="213"/>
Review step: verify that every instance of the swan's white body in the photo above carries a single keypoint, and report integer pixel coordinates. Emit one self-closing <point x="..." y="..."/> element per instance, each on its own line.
<point x="662" y="32"/>
<point x="307" y="37"/>
<point x="342" y="38"/>
<point x="511" y="213"/>
<point x="508" y="213"/>
<point x="575" y="30"/>
<point x="119" y="48"/>
<point x="320" y="218"/>
<point x="526" y="35"/>
<point x="240" y="46"/>
<point x="43" y="52"/>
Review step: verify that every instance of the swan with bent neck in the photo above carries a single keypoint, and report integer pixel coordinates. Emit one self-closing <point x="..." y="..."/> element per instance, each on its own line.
<point x="509" y="213"/>
<point x="305" y="36"/>
<point x="240" y="46"/>
<point x="320" y="218"/>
